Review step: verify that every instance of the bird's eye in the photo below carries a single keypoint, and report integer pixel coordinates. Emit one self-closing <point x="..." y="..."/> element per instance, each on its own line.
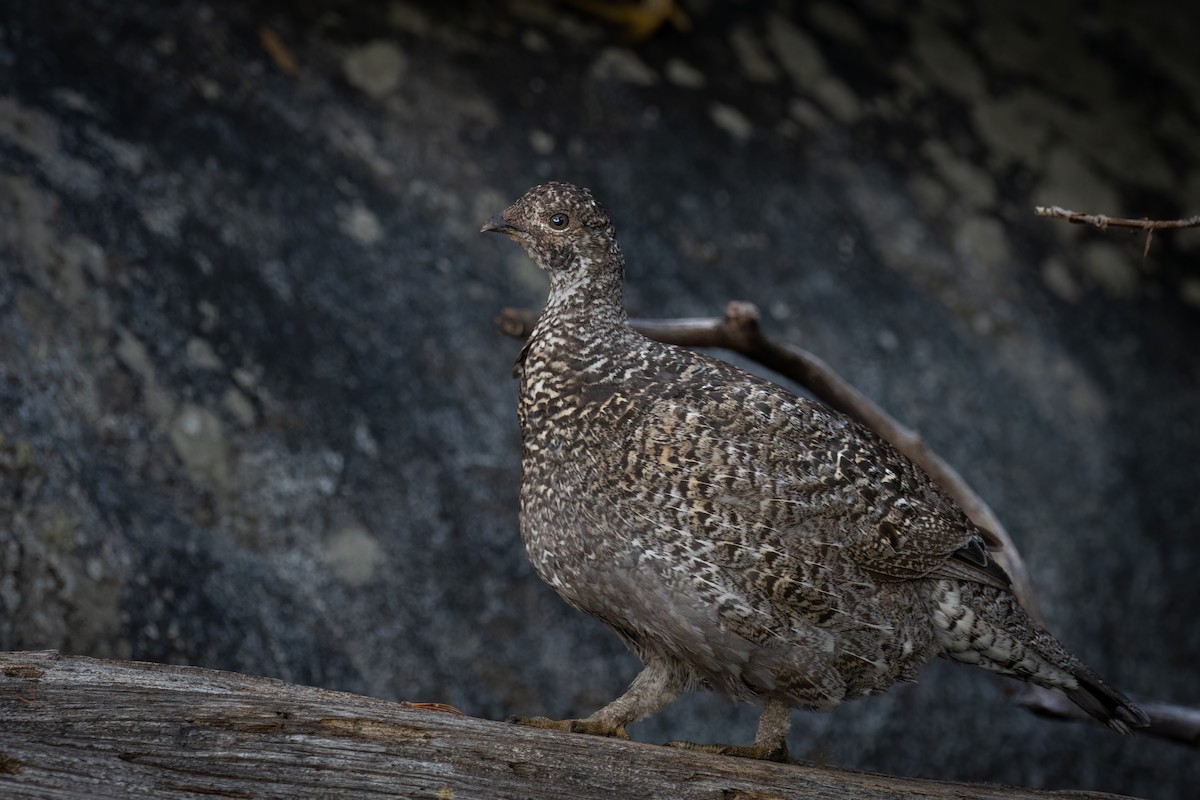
<point x="559" y="221"/>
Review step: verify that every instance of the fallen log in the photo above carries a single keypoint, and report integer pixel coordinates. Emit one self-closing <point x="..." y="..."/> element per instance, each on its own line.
<point x="74" y="727"/>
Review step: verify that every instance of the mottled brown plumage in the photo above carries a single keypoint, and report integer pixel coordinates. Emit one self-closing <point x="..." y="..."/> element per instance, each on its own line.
<point x="734" y="535"/>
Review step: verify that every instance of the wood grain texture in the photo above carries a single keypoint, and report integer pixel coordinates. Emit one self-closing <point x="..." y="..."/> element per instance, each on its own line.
<point x="73" y="727"/>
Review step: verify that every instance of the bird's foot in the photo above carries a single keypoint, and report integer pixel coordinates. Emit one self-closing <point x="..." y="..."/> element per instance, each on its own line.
<point x="760" y="752"/>
<point x="588" y="726"/>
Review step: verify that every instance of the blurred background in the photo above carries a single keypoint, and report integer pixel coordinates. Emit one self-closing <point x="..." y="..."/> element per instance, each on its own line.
<point x="255" y="413"/>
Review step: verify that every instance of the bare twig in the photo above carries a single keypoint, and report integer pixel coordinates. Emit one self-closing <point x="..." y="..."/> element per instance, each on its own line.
<point x="739" y="331"/>
<point x="1103" y="221"/>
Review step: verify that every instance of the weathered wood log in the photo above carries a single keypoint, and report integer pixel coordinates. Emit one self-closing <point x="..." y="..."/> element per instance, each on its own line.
<point x="73" y="727"/>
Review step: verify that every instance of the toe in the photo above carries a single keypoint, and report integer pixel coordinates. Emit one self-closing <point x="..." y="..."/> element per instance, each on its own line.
<point x="599" y="729"/>
<point x="588" y="726"/>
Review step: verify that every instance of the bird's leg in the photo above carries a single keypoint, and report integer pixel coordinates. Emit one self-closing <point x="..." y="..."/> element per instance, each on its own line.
<point x="655" y="687"/>
<point x="770" y="743"/>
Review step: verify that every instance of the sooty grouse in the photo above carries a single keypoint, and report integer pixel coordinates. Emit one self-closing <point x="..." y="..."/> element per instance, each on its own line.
<point x="734" y="535"/>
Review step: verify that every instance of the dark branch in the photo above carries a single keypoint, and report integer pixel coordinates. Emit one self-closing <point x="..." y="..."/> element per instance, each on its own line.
<point x="1167" y="721"/>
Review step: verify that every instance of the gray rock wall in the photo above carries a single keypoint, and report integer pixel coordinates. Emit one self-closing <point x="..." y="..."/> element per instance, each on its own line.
<point x="255" y="415"/>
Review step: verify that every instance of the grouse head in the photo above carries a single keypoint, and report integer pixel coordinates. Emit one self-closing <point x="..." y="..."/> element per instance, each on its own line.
<point x="561" y="226"/>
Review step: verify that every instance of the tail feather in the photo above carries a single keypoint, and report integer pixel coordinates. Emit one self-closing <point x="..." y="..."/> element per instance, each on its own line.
<point x="1105" y="703"/>
<point x="986" y="626"/>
